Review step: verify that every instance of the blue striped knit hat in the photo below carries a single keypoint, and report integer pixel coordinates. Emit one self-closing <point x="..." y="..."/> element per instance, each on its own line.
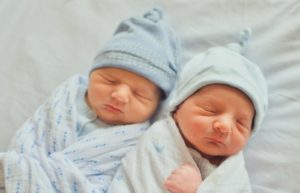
<point x="146" y="46"/>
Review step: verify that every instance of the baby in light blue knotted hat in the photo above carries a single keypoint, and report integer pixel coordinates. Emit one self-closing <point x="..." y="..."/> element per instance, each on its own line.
<point x="220" y="99"/>
<point x="224" y="65"/>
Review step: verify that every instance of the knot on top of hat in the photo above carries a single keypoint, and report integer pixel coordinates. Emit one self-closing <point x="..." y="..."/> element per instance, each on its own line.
<point x="154" y="14"/>
<point x="242" y="45"/>
<point x="244" y="37"/>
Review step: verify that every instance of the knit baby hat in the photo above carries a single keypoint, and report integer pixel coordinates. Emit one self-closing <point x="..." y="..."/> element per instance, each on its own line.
<point x="224" y="65"/>
<point x="146" y="46"/>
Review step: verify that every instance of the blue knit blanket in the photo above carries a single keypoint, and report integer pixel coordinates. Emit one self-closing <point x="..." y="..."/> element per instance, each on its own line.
<point x="47" y="154"/>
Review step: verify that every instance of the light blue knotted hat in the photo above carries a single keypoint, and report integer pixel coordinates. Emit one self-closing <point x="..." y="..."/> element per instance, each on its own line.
<point x="145" y="45"/>
<point x="224" y="65"/>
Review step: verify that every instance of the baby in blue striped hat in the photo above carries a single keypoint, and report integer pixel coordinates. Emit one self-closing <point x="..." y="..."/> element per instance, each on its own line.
<point x="134" y="70"/>
<point x="88" y="124"/>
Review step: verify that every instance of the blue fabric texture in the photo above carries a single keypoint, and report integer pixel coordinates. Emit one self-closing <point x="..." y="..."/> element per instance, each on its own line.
<point x="145" y="45"/>
<point x="48" y="154"/>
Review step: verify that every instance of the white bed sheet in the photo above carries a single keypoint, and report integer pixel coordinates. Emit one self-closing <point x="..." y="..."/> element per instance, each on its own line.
<point x="42" y="42"/>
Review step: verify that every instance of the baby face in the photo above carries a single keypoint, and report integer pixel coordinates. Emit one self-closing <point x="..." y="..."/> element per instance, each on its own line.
<point x="118" y="96"/>
<point x="216" y="120"/>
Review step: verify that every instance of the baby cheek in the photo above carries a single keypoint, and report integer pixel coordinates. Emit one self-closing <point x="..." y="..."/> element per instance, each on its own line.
<point x="198" y="121"/>
<point x="145" y="110"/>
<point x="191" y="125"/>
<point x="239" y="143"/>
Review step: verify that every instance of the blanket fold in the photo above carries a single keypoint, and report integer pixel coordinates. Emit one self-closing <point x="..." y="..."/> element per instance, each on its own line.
<point x="161" y="150"/>
<point x="47" y="154"/>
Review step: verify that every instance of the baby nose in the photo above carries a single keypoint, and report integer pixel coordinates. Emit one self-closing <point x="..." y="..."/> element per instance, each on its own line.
<point x="222" y="126"/>
<point x="121" y="93"/>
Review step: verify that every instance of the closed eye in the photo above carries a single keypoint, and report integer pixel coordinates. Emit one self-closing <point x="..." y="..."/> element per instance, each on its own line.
<point x="243" y="126"/>
<point x="141" y="95"/>
<point x="109" y="80"/>
<point x="208" y="109"/>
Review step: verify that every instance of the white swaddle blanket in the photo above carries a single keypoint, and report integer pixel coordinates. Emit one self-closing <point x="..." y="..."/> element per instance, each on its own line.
<point x="162" y="149"/>
<point x="47" y="154"/>
<point x="2" y="186"/>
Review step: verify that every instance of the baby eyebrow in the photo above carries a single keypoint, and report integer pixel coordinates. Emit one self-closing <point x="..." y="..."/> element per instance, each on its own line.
<point x="109" y="75"/>
<point x="207" y="101"/>
<point x="210" y="99"/>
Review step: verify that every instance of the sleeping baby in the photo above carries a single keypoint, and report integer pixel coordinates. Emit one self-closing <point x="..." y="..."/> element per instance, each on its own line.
<point x="75" y="141"/>
<point x="219" y="101"/>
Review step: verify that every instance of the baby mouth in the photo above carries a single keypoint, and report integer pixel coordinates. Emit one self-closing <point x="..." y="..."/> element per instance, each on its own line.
<point x="216" y="141"/>
<point x="112" y="108"/>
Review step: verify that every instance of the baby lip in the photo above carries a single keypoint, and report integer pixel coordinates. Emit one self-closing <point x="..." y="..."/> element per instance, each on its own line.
<point x="113" y="108"/>
<point x="217" y="140"/>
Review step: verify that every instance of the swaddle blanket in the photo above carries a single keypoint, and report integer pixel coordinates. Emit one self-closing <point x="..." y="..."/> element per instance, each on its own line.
<point x="162" y="149"/>
<point x="47" y="154"/>
<point x="2" y="186"/>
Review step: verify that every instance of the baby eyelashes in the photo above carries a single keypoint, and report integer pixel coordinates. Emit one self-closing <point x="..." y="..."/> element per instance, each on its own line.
<point x="184" y="179"/>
